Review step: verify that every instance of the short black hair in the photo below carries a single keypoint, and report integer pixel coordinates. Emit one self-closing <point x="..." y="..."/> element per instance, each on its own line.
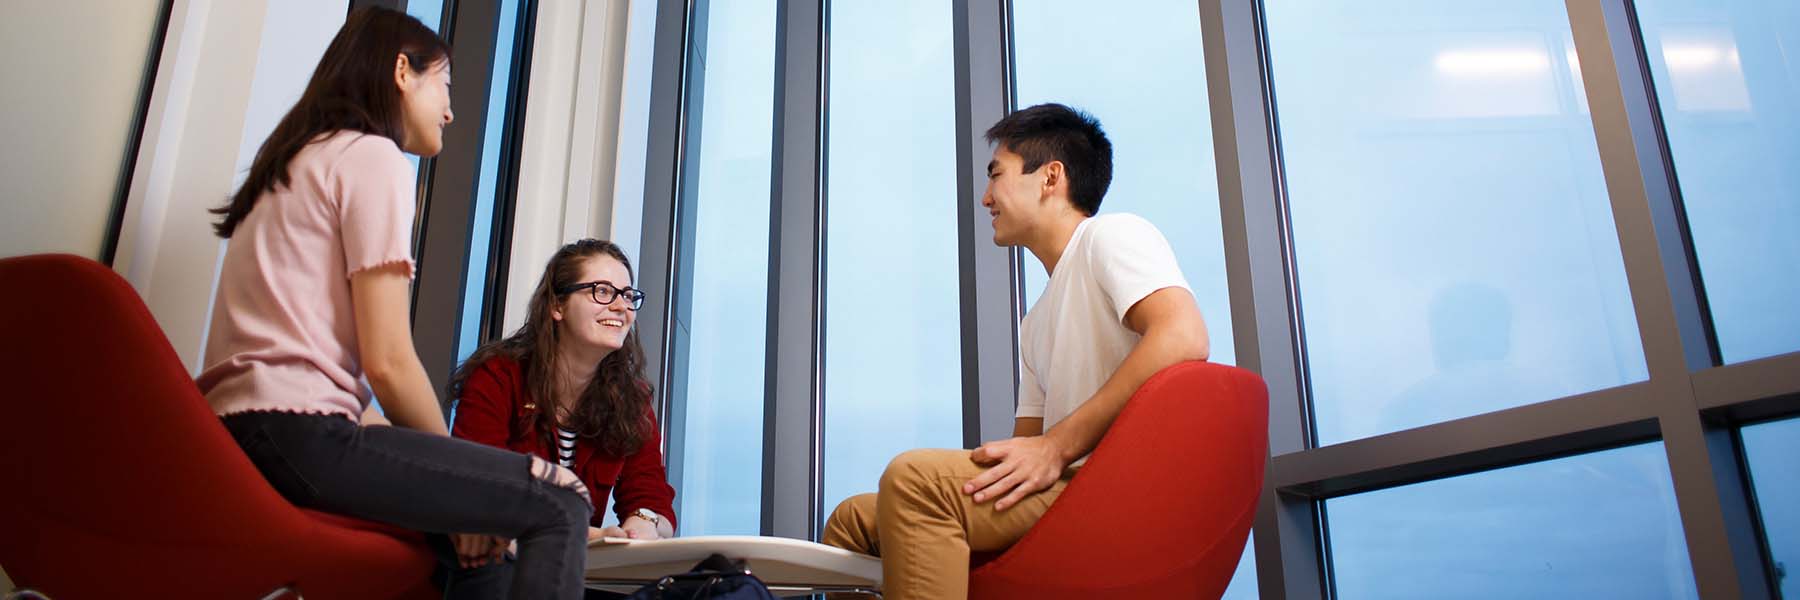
<point x="1048" y="132"/>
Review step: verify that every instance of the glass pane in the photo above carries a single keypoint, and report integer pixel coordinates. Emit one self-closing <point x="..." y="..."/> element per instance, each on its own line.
<point x="1771" y="448"/>
<point x="493" y="144"/>
<point x="430" y="12"/>
<point x="1138" y="69"/>
<point x="722" y="346"/>
<point x="1728" y="81"/>
<point x="893" y="342"/>
<point x="1454" y="242"/>
<point x="1600" y="525"/>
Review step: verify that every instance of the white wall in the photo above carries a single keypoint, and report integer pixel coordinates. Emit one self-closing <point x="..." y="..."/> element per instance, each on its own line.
<point x="229" y="70"/>
<point x="70" y="76"/>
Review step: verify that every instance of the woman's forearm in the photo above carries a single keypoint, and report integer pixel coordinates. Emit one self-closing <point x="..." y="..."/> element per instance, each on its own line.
<point x="406" y="396"/>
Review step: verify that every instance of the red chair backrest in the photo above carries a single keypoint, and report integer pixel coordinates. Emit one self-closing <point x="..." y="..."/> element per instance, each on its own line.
<point x="1163" y="504"/>
<point x="104" y="435"/>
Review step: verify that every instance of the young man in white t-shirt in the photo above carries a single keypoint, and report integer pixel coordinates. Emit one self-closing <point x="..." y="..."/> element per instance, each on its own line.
<point x="1116" y="311"/>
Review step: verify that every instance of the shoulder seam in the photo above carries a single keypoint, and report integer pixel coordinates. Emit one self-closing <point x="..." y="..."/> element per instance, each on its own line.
<point x="332" y="170"/>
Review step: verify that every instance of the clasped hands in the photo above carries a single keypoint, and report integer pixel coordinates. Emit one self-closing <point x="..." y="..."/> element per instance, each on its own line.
<point x="1016" y="468"/>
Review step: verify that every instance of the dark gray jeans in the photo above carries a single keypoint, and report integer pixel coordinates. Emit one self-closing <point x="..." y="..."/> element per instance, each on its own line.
<point x="434" y="484"/>
<point x="488" y="582"/>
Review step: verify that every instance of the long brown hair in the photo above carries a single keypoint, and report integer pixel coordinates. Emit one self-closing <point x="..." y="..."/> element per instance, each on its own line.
<point x="352" y="89"/>
<point x="614" y="409"/>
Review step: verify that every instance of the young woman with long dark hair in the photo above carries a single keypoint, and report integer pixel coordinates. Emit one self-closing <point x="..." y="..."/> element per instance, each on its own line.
<point x="314" y="299"/>
<point x="568" y="387"/>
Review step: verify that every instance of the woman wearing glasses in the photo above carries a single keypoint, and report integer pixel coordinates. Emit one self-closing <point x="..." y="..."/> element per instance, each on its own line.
<point x="568" y="387"/>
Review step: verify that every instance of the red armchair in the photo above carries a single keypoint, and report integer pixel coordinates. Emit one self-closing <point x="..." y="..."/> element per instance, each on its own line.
<point x="119" y="481"/>
<point x="1184" y="461"/>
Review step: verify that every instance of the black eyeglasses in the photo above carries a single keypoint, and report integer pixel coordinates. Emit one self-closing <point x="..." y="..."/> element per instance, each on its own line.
<point x="604" y="293"/>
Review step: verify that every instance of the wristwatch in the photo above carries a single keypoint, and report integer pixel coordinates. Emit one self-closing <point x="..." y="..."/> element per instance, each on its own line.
<point x="647" y="515"/>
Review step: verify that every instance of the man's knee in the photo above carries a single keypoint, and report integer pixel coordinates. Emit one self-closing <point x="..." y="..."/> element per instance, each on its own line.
<point x="852" y="515"/>
<point x="852" y="525"/>
<point x="915" y="468"/>
<point x="854" y="510"/>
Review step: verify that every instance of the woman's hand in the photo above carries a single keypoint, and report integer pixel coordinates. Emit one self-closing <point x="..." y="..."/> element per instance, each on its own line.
<point x="633" y="529"/>
<point x="371" y="416"/>
<point x="640" y="529"/>
<point x="478" y="550"/>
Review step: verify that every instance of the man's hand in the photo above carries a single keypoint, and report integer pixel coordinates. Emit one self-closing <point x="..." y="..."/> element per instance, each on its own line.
<point x="477" y="550"/>
<point x="1017" y="468"/>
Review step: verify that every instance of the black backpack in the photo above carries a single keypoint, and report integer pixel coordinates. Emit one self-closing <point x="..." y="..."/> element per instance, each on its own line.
<point x="716" y="578"/>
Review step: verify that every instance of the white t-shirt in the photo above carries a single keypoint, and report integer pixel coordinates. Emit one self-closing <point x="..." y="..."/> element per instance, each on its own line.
<point x="1075" y="336"/>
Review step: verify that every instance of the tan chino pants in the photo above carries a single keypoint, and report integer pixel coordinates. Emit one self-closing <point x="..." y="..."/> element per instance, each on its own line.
<point x="923" y="527"/>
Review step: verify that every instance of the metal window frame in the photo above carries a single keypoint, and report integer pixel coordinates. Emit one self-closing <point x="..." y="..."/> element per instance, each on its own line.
<point x="1265" y="312"/>
<point x="990" y="297"/>
<point x="794" y="403"/>
<point x="134" y="139"/>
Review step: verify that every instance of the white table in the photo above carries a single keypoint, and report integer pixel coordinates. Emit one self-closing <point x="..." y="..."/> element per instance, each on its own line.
<point x="787" y="566"/>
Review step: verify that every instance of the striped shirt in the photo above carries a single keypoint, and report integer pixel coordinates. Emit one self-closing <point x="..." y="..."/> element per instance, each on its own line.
<point x="565" y="447"/>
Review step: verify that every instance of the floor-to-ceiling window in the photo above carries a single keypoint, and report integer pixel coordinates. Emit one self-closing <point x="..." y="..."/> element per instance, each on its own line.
<point x="892" y="325"/>
<point x="719" y="335"/>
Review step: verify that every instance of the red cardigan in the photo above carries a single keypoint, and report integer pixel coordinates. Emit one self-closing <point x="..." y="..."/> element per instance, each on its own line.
<point x="495" y="396"/>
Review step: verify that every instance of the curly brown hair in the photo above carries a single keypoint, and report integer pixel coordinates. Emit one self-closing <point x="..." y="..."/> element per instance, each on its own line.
<point x="614" y="410"/>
